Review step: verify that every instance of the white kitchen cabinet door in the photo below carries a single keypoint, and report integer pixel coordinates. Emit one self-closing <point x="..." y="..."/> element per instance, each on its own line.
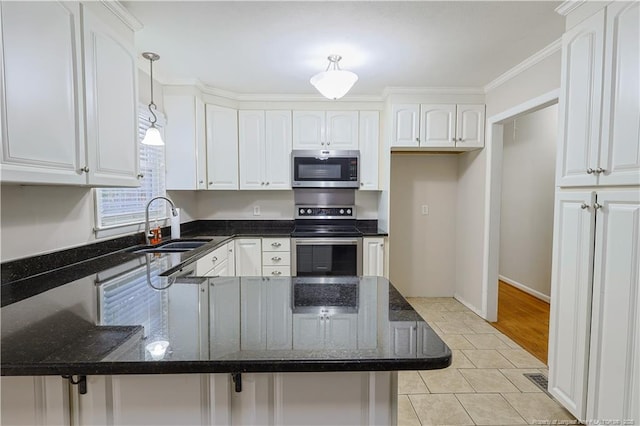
<point x="224" y="316"/>
<point x="406" y="125"/>
<point x="369" y="149"/>
<point x="253" y="314"/>
<point x="373" y="256"/>
<point x="580" y="102"/>
<point x="251" y="145"/>
<point x="620" y="143"/>
<point x="437" y="125"/>
<point x="571" y="292"/>
<point x="309" y="130"/>
<point x="402" y="339"/>
<point x="341" y="331"/>
<point x="342" y="130"/>
<point x="185" y="143"/>
<point x="470" y="126"/>
<point x="368" y="316"/>
<point x="248" y="259"/>
<point x="308" y="331"/>
<point x="222" y="147"/>
<point x="111" y="76"/>
<point x="277" y="154"/>
<point x="614" y="361"/>
<point x="42" y="98"/>
<point x="279" y="315"/>
<point x="35" y="400"/>
<point x="154" y="399"/>
<point x="210" y="264"/>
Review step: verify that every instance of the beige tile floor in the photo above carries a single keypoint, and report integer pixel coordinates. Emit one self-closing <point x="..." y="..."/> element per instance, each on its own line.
<point x="485" y="383"/>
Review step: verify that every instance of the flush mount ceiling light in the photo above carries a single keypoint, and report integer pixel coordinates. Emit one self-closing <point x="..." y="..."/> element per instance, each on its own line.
<point x="152" y="137"/>
<point x="334" y="83"/>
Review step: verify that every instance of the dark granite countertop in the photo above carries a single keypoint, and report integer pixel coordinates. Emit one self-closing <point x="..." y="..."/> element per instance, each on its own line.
<point x="207" y="325"/>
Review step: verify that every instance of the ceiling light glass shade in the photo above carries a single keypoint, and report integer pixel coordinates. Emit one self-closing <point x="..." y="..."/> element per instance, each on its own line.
<point x="334" y="84"/>
<point x="153" y="137"/>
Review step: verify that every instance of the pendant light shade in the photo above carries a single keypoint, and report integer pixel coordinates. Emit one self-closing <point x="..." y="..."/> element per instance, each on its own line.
<point x="152" y="137"/>
<point x="334" y="83"/>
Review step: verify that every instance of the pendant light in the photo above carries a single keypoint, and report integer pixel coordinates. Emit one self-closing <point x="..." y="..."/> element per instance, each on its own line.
<point x="334" y="83"/>
<point x="152" y="137"/>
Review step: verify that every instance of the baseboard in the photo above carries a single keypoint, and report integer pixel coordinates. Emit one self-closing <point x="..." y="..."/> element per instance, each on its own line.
<point x="470" y="306"/>
<point x="528" y="290"/>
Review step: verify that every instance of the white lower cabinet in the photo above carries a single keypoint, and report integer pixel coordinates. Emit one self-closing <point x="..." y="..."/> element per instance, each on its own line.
<point x="594" y="362"/>
<point x="320" y="331"/>
<point x="276" y="257"/>
<point x="373" y="256"/>
<point x="266" y="318"/>
<point x="34" y="400"/>
<point x="248" y="257"/>
<point x="219" y="263"/>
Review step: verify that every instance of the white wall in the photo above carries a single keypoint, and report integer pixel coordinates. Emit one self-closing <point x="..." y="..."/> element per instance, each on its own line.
<point x="528" y="187"/>
<point x="422" y="255"/>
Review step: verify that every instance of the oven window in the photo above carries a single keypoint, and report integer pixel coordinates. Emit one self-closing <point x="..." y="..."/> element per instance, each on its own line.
<point x="326" y="260"/>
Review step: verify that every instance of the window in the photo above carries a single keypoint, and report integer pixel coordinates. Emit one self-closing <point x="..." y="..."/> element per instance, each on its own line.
<point x="119" y="207"/>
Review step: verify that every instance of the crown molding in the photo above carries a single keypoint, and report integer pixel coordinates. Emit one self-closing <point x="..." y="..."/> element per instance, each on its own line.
<point x="391" y="90"/>
<point x="524" y="65"/>
<point x="568" y="6"/>
<point x="123" y="14"/>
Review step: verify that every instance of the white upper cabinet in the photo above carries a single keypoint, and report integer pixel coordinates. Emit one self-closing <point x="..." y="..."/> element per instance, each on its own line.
<point x="443" y="126"/>
<point x="620" y="143"/>
<point x="406" y="125"/>
<point x="111" y="99"/>
<point x="265" y="149"/>
<point x="52" y="65"/>
<point x="369" y="149"/>
<point x="42" y="136"/>
<point x="437" y="125"/>
<point x="592" y="153"/>
<point x="222" y="147"/>
<point x="325" y="130"/>
<point x="185" y="142"/>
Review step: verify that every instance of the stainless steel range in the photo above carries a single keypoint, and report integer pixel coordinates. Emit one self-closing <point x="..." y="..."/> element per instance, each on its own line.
<point x="326" y="240"/>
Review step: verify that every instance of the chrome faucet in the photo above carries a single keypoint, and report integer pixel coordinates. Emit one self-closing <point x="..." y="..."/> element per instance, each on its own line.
<point x="147" y="227"/>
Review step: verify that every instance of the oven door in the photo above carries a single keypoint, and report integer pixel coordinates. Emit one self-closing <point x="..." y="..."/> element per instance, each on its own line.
<point x="317" y="256"/>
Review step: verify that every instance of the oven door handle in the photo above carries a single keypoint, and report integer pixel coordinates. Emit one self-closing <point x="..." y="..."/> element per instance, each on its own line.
<point x="326" y="241"/>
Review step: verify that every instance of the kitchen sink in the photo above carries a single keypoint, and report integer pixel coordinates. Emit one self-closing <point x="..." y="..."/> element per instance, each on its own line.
<point x="170" y="247"/>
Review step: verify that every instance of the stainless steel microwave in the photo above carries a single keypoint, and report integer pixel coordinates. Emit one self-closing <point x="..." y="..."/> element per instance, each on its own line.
<point x="325" y="169"/>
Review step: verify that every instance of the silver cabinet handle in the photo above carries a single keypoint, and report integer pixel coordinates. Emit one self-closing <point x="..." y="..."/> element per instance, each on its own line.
<point x="590" y="171"/>
<point x="261" y="183"/>
<point x="276" y="244"/>
<point x="266" y="183"/>
<point x="597" y="206"/>
<point x="321" y="143"/>
<point x="214" y="259"/>
<point x="417" y="139"/>
<point x="230" y="250"/>
<point x="276" y="273"/>
<point x="140" y="175"/>
<point x="201" y="182"/>
<point x="210" y="183"/>
<point x="600" y="170"/>
<point x="460" y="140"/>
<point x="85" y="169"/>
<point x="584" y="206"/>
<point x="276" y="259"/>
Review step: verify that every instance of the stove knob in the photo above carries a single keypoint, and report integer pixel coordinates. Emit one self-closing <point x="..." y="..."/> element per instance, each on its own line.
<point x="308" y="211"/>
<point x="349" y="211"/>
<point x="301" y="211"/>
<point x="341" y="211"/>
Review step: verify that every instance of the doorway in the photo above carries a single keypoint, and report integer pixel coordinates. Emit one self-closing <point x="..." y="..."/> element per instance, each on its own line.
<point x="498" y="126"/>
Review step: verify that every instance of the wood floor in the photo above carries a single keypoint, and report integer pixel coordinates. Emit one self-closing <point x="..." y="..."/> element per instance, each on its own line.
<point x="524" y="319"/>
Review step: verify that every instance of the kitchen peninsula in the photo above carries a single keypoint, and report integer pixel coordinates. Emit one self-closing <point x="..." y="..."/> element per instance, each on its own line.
<point x="150" y="344"/>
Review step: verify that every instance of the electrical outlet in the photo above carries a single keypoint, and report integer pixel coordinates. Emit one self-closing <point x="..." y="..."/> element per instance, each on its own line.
<point x="256" y="210"/>
<point x="425" y="209"/>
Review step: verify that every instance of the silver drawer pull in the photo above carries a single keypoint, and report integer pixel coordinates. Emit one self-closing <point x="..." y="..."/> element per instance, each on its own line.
<point x="276" y="244"/>
<point x="276" y="259"/>
<point x="276" y="273"/>
<point x="584" y="206"/>
<point x="214" y="259"/>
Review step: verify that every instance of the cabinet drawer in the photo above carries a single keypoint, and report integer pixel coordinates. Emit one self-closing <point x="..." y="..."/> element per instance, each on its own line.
<point x="276" y="244"/>
<point x="275" y="258"/>
<point x="208" y="262"/>
<point x="276" y="271"/>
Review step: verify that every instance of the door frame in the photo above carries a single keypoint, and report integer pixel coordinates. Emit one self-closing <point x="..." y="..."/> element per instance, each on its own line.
<point x="493" y="195"/>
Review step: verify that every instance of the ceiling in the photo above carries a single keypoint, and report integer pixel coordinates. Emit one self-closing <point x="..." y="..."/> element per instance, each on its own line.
<point x="269" y="47"/>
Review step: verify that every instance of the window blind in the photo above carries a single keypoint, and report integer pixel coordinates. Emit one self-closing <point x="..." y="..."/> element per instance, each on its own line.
<point x="126" y="206"/>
